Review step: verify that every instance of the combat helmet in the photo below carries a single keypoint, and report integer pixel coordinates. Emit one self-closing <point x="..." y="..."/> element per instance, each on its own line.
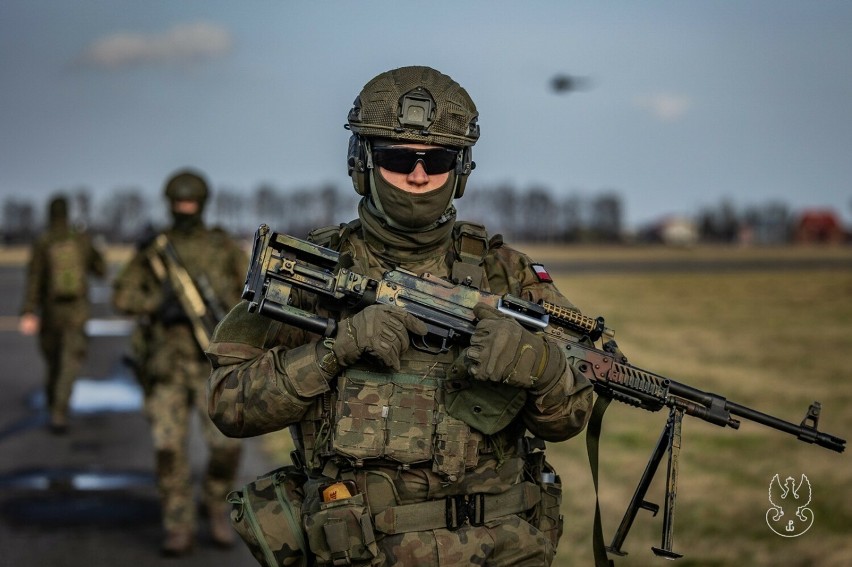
<point x="412" y="105"/>
<point x="186" y="185"/>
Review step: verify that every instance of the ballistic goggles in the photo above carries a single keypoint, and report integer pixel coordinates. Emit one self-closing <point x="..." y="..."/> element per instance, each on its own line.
<point x="403" y="160"/>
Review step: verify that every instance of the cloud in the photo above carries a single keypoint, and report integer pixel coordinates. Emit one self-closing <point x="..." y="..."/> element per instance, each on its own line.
<point x="667" y="107"/>
<point x="184" y="43"/>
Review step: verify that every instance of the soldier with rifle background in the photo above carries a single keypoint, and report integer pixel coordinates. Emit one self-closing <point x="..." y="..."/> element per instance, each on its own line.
<point x="177" y="285"/>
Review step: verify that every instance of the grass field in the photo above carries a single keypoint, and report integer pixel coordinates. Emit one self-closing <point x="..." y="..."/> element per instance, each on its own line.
<point x="771" y="340"/>
<point x="775" y="341"/>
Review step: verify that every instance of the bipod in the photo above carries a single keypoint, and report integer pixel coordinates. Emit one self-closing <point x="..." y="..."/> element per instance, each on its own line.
<point x="669" y="442"/>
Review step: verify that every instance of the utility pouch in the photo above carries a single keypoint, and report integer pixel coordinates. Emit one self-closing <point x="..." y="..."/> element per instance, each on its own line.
<point x="485" y="406"/>
<point x="266" y="514"/>
<point x="385" y="416"/>
<point x="341" y="533"/>
<point x="362" y="410"/>
<point x="546" y="515"/>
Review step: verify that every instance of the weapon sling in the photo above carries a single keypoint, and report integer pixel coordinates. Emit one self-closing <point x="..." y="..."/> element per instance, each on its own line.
<point x="197" y="300"/>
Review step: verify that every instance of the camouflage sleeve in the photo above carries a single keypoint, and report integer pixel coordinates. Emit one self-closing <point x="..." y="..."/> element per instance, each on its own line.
<point x="136" y="290"/>
<point x="265" y="374"/>
<point x="561" y="411"/>
<point x="35" y="279"/>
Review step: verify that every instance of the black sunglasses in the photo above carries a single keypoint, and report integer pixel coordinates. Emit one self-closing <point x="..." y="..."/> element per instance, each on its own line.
<point x="403" y="160"/>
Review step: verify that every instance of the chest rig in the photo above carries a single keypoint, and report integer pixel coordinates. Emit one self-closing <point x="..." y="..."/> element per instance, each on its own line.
<point x="401" y="418"/>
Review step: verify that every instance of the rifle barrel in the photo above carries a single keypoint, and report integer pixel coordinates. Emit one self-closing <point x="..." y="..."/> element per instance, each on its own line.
<point x="716" y="409"/>
<point x="806" y="433"/>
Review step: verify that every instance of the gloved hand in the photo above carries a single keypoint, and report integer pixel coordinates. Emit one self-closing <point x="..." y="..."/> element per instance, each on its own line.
<point x="380" y="331"/>
<point x="501" y="350"/>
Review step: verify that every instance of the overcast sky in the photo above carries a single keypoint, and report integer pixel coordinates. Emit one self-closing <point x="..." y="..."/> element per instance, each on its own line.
<point x="685" y="103"/>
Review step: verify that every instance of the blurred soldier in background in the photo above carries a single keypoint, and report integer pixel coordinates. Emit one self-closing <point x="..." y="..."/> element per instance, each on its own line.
<point x="56" y="304"/>
<point x="176" y="285"/>
<point x="426" y="448"/>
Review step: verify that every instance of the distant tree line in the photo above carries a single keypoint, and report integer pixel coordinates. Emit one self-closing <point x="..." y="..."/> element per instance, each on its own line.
<point x="535" y="214"/>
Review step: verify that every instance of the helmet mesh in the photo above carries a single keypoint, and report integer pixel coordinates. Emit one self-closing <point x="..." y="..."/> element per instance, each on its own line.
<point x="377" y="108"/>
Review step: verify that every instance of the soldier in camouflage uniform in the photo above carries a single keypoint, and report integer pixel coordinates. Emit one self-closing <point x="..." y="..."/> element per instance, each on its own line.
<point x="413" y="456"/>
<point x="56" y="304"/>
<point x="172" y="366"/>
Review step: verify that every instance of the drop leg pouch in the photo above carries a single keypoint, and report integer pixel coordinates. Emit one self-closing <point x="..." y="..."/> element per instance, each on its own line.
<point x="266" y="514"/>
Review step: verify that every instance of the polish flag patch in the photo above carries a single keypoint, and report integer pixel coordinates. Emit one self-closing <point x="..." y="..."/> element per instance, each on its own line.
<point x="541" y="273"/>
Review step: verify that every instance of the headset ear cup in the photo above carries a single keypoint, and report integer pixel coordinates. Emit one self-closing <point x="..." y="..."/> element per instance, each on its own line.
<point x="461" y="181"/>
<point x="356" y="163"/>
<point x="463" y="168"/>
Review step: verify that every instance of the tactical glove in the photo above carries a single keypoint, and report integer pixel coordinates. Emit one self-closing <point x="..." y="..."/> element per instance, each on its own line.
<point x="501" y="350"/>
<point x="380" y="331"/>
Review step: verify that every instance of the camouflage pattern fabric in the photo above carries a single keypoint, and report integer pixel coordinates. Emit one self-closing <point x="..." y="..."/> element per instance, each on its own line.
<point x="62" y="316"/>
<point x="267" y="515"/>
<point x="170" y="407"/>
<point x="174" y="370"/>
<point x="64" y="349"/>
<point x="506" y="542"/>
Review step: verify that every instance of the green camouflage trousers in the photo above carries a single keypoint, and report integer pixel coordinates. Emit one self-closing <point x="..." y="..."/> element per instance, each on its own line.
<point x="504" y="542"/>
<point x="170" y="407"/>
<point x="64" y="349"/>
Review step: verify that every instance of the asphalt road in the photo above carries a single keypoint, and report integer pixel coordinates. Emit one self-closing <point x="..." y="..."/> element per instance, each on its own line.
<point x="87" y="498"/>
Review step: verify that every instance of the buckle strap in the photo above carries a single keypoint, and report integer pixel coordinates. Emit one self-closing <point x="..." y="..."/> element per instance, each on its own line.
<point x="453" y="512"/>
<point x="462" y="508"/>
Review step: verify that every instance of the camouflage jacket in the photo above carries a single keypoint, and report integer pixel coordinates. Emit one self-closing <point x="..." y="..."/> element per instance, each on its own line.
<point x="138" y="291"/>
<point x="266" y="375"/>
<point x="41" y="297"/>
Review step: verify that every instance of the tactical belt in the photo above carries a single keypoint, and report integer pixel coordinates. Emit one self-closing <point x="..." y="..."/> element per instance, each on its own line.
<point x="453" y="511"/>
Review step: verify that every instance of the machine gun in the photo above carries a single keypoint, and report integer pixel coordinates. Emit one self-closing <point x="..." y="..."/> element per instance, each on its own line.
<point x="196" y="296"/>
<point x="281" y="264"/>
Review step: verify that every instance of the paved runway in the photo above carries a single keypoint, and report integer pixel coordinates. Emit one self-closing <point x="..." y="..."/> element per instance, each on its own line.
<point x="87" y="498"/>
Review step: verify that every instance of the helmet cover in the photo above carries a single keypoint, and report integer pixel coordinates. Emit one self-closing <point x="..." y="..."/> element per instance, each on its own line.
<point x="416" y="105"/>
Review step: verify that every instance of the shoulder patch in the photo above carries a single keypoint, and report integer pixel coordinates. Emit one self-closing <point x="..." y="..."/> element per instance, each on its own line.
<point x="541" y="273"/>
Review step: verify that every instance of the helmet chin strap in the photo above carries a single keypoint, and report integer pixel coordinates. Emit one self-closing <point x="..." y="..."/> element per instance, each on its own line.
<point x="375" y="203"/>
